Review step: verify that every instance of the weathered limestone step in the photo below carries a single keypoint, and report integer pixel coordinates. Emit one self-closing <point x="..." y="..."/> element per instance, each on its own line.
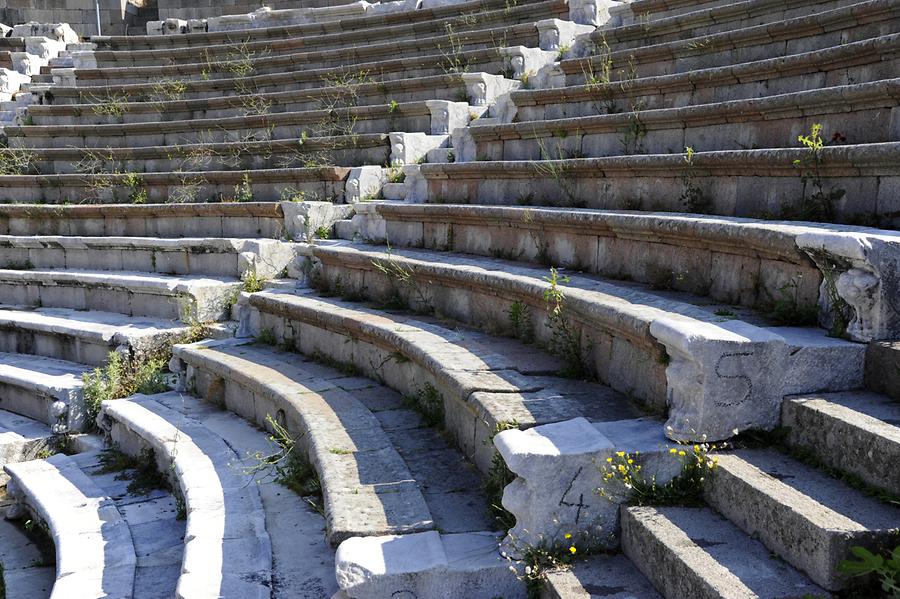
<point x="21" y="439"/>
<point x="227" y="550"/>
<point x="480" y="60"/>
<point x="427" y="565"/>
<point x="152" y="516"/>
<point x="711" y="20"/>
<point x="694" y="552"/>
<point x="94" y="550"/>
<point x="483" y="382"/>
<point x="190" y="298"/>
<point x="360" y="91"/>
<point x="816" y="31"/>
<point x="218" y="257"/>
<point x="337" y="39"/>
<point x="27" y="572"/>
<point x="641" y="11"/>
<point x="318" y="183"/>
<point x="883" y="368"/>
<point x="229" y="219"/>
<point x="863" y="61"/>
<point x="722" y="180"/>
<point x="860" y="112"/>
<point x="664" y="335"/>
<point x="302" y="561"/>
<point x="524" y="34"/>
<point x="804" y="516"/>
<point x="343" y="122"/>
<point x="599" y="577"/>
<point x="162" y="42"/>
<point x="856" y="432"/>
<point x="44" y="389"/>
<point x="362" y="457"/>
<point x="85" y="337"/>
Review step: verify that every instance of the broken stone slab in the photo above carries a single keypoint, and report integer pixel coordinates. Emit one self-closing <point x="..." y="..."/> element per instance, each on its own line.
<point x="411" y="148"/>
<point x="64" y="77"/>
<point x="447" y="116"/>
<point x="485" y="89"/>
<point x="44" y="389"/>
<point x="426" y="565"/>
<point x="862" y="280"/>
<point x="364" y="183"/>
<point x="95" y="555"/>
<point x="10" y="83"/>
<point x="302" y="219"/>
<point x="591" y="12"/>
<point x="558" y="468"/>
<point x="56" y="31"/>
<point x="556" y="34"/>
<point x="382" y="8"/>
<point x="526" y="62"/>
<point x="5" y="30"/>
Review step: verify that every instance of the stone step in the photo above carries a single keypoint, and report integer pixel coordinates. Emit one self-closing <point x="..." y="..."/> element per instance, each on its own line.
<point x="44" y="389"/>
<point x="345" y="58"/>
<point x="861" y="113"/>
<point x="85" y="337"/>
<point x="694" y="552"/>
<point x="855" y="432"/>
<point x="217" y="257"/>
<point x="816" y="31"/>
<point x="302" y="561"/>
<point x="344" y="151"/>
<point x="482" y="382"/>
<point x="719" y="183"/>
<point x="883" y="368"/>
<point x="374" y="456"/>
<point x="360" y="90"/>
<point x="27" y="571"/>
<point x="229" y="220"/>
<point x="643" y="11"/>
<point x="162" y="42"/>
<point x="599" y="577"/>
<point x="94" y="550"/>
<point x="337" y="37"/>
<point x="806" y="517"/>
<point x="151" y="512"/>
<point x="22" y="439"/>
<point x="702" y="255"/>
<point x="192" y="298"/>
<point x="665" y="335"/>
<point x="343" y="122"/>
<point x="484" y="60"/>
<point x="227" y="549"/>
<point x="317" y="183"/>
<point x="711" y="20"/>
<point x="857" y="62"/>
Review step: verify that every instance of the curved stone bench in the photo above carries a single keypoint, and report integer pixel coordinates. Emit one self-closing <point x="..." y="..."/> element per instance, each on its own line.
<point x="487" y="61"/>
<point x="383" y="118"/>
<point x="344" y="57"/>
<point x="867" y="60"/>
<point x="95" y="555"/>
<point x="339" y="36"/>
<point x="630" y="12"/>
<point x="83" y="337"/>
<point x="820" y="30"/>
<point x="652" y="346"/>
<point x="729" y="180"/>
<point x="484" y="382"/>
<point x="227" y="551"/>
<point x="419" y="89"/>
<point x="216" y="257"/>
<point x="320" y="183"/>
<point x="860" y="112"/>
<point x="44" y="389"/>
<point x="367" y="488"/>
<point x="132" y="293"/>
<point x="230" y="219"/>
<point x="342" y="151"/>
<point x="156" y="43"/>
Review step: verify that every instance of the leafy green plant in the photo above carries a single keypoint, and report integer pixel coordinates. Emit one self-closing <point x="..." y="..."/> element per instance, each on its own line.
<point x="692" y="197"/>
<point x="816" y="202"/>
<point x="243" y="191"/>
<point x="123" y="377"/>
<point x="565" y="341"/>
<point x="141" y="472"/>
<point x="137" y="192"/>
<point x="252" y="282"/>
<point x="885" y="568"/>
<point x="520" y="321"/>
<point x="323" y="232"/>
<point x="429" y="403"/>
<point x="787" y="310"/>
<point x="535" y="561"/>
<point x="499" y="476"/>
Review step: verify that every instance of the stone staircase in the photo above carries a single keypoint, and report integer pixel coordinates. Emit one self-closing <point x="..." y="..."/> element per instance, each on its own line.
<point x="431" y="266"/>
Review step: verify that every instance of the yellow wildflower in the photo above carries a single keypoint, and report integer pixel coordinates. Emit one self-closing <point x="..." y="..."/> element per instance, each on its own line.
<point x="568" y="536"/>
<point x="572" y="550"/>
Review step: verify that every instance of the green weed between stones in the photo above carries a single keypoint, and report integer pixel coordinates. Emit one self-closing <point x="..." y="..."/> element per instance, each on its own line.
<point x="886" y="568"/>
